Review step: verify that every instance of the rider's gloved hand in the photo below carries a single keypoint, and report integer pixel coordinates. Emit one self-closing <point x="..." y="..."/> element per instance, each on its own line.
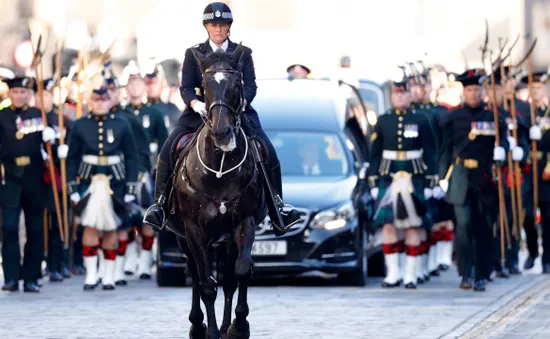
<point x="199" y="107"/>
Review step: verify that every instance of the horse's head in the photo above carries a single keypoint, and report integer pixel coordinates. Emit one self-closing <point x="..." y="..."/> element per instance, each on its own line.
<point x="223" y="92"/>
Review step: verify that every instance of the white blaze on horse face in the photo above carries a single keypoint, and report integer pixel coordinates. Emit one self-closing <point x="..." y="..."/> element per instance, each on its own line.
<point x="219" y="76"/>
<point x="231" y="145"/>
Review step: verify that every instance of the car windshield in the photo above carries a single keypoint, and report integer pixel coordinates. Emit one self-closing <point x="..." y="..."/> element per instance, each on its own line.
<point x="309" y="153"/>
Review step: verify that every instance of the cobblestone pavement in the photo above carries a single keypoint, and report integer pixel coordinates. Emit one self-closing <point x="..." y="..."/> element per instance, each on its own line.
<point x="288" y="308"/>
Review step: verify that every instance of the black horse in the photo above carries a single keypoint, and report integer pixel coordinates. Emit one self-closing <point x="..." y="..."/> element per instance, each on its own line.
<point x="218" y="197"/>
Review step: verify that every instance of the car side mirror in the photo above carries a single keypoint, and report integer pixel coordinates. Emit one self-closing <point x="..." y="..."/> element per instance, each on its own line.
<point x="363" y="171"/>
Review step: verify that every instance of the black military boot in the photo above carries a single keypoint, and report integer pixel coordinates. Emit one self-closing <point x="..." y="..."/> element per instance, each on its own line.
<point x="293" y="216"/>
<point x="155" y="216"/>
<point x="529" y="263"/>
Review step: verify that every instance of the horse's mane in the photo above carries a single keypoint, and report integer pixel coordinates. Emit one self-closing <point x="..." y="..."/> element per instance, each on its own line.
<point x="213" y="58"/>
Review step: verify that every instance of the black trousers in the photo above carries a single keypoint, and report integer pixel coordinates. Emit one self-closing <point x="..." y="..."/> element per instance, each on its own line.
<point x="34" y="247"/>
<point x="545" y="220"/>
<point x="532" y="236"/>
<point x="272" y="160"/>
<point x="472" y="234"/>
<point x="55" y="245"/>
<point x="511" y="254"/>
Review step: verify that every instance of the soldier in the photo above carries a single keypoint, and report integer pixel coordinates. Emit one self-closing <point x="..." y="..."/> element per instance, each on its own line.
<point x="57" y="256"/>
<point x="153" y="122"/>
<point x="156" y="83"/>
<point x="401" y="175"/>
<point x="538" y="132"/>
<point x="22" y="185"/>
<point x="103" y="155"/>
<point x="465" y="170"/>
<point x="126" y="261"/>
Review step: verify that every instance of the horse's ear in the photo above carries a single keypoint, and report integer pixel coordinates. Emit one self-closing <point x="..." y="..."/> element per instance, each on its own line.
<point x="199" y="57"/>
<point x="238" y="54"/>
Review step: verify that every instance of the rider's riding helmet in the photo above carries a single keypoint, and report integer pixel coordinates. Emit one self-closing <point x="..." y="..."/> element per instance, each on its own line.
<point x="217" y="12"/>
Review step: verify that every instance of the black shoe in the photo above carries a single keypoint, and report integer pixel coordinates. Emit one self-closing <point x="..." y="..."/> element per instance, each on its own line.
<point x="435" y="273"/>
<point x="155" y="215"/>
<point x="514" y="270"/>
<point x="39" y="282"/>
<point x="479" y="286"/>
<point x="529" y="263"/>
<point x="443" y="267"/>
<point x="56" y="277"/>
<point x="79" y="270"/>
<point x="546" y="269"/>
<point x="410" y="286"/>
<point x="89" y="287"/>
<point x="145" y="276"/>
<point x="503" y="273"/>
<point x="31" y="287"/>
<point x="66" y="273"/>
<point x="466" y="284"/>
<point x="419" y="281"/>
<point x="108" y="287"/>
<point x="11" y="286"/>
<point x="121" y="283"/>
<point x="427" y="278"/>
<point x="388" y="285"/>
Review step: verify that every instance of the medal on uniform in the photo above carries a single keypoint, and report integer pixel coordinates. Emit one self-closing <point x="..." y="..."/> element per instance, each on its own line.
<point x="110" y="136"/>
<point x="146" y="121"/>
<point x="136" y="112"/>
<point x="18" y="122"/>
<point x="222" y="208"/>
<point x="166" y="121"/>
<point x="471" y="136"/>
<point x="19" y="134"/>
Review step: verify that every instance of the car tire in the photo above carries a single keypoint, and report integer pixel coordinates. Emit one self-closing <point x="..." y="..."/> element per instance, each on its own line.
<point x="171" y="277"/>
<point x="358" y="277"/>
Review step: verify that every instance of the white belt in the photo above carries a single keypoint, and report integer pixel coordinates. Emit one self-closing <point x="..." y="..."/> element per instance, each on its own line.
<point x="402" y="155"/>
<point x="101" y="160"/>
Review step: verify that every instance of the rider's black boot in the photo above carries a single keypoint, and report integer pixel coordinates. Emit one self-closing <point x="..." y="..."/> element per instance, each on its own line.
<point x="155" y="215"/>
<point x="293" y="216"/>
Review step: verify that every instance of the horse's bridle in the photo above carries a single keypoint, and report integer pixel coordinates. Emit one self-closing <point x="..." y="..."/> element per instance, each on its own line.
<point x="237" y="111"/>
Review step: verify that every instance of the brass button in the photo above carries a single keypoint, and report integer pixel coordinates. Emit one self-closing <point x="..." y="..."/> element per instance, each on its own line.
<point x="400" y="146"/>
<point x="399" y="139"/>
<point x="100" y="123"/>
<point x="100" y="145"/>
<point x="400" y="118"/>
<point x="136" y="112"/>
<point x="100" y="130"/>
<point x="100" y="152"/>
<point x="400" y="125"/>
<point x="100" y="137"/>
<point x="399" y="132"/>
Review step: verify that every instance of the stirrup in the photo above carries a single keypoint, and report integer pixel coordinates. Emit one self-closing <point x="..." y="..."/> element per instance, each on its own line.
<point x="162" y="217"/>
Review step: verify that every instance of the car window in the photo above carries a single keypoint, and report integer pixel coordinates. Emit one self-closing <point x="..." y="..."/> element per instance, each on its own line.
<point x="310" y="153"/>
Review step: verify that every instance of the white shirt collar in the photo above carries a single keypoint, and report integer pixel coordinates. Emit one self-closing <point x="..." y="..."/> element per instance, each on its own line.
<point x="223" y="47"/>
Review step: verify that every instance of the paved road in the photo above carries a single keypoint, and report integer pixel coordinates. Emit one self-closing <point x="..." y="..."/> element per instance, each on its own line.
<point x="304" y="308"/>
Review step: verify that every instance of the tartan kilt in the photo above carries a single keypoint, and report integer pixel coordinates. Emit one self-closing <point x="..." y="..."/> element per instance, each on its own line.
<point x="385" y="214"/>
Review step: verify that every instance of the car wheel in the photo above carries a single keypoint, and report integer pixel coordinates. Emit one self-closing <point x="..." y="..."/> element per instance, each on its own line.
<point x="171" y="277"/>
<point x="358" y="277"/>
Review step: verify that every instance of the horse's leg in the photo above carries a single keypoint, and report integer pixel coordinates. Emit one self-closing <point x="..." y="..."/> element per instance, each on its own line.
<point x="244" y="238"/>
<point x="229" y="285"/>
<point x="198" y="329"/>
<point x="198" y="246"/>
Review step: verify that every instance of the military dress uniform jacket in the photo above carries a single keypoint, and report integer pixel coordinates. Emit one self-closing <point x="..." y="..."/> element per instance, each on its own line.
<point x="140" y="135"/>
<point x="191" y="85"/>
<point x="22" y="166"/>
<point x="466" y="158"/>
<point x="103" y="144"/>
<point x="170" y="113"/>
<point x="152" y="121"/>
<point x="542" y="116"/>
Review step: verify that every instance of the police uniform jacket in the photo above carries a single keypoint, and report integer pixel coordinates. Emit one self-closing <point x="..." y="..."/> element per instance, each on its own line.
<point x="402" y="140"/>
<point x="103" y="137"/>
<point x="21" y="163"/>
<point x="466" y="158"/>
<point x="151" y="120"/>
<point x="140" y="135"/>
<point x="191" y="84"/>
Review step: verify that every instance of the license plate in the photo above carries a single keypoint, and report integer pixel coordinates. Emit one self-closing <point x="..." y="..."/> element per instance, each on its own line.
<point x="266" y="248"/>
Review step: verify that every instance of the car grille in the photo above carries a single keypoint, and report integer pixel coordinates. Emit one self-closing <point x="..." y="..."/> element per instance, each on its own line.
<point x="265" y="229"/>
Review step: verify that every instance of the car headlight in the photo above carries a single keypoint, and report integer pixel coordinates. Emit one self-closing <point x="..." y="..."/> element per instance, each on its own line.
<point x="334" y="218"/>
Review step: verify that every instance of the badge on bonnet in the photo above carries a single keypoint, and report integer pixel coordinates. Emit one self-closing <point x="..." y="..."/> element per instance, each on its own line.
<point x="218" y="14"/>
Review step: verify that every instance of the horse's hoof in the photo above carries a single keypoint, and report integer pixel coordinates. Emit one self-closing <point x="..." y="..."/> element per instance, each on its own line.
<point x="213" y="334"/>
<point x="234" y="333"/>
<point x="197" y="333"/>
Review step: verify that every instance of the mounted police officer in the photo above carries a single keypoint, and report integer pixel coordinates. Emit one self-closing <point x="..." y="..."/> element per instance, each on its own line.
<point x="539" y="132"/>
<point x="468" y="152"/>
<point x="401" y="175"/>
<point x="127" y="252"/>
<point x="156" y="83"/>
<point x="22" y="185"/>
<point x="217" y="19"/>
<point x="103" y="155"/>
<point x="298" y="71"/>
<point x="57" y="256"/>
